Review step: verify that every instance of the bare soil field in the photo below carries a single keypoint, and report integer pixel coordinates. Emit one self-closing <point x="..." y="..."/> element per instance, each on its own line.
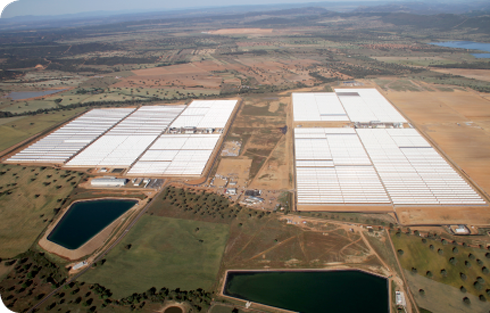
<point x="228" y="31"/>
<point x="346" y="208"/>
<point x="478" y="74"/>
<point x="443" y="215"/>
<point x="238" y="169"/>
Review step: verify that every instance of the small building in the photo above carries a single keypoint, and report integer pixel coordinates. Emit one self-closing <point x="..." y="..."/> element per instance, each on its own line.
<point x="231" y="191"/>
<point x="109" y="182"/>
<point x="253" y="193"/>
<point x="400" y="298"/>
<point x="461" y="229"/>
<point x="80" y="265"/>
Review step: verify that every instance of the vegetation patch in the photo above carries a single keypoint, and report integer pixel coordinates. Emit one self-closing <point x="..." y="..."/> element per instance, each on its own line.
<point x="160" y="251"/>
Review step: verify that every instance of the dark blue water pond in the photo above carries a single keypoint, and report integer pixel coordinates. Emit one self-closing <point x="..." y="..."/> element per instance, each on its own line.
<point x="467" y="45"/>
<point x="86" y="219"/>
<point x="21" y="95"/>
<point x="312" y="292"/>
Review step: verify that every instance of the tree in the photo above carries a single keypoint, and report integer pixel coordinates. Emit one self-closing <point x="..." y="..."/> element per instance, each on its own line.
<point x="467" y="264"/>
<point x="400" y="252"/>
<point x="440" y="251"/>
<point x="422" y="292"/>
<point x="463" y="276"/>
<point x="485" y="270"/>
<point x="462" y="289"/>
<point x="453" y="261"/>
<point x="444" y="272"/>
<point x="414" y="270"/>
<point x="428" y="274"/>
<point x="466" y="301"/>
<point x="431" y="247"/>
<point x="455" y="250"/>
<point x="482" y="298"/>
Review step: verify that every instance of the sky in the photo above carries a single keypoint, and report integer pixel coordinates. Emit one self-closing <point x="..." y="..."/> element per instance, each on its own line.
<point x="58" y="7"/>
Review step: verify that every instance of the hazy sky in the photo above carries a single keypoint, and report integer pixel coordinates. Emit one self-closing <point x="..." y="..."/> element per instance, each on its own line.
<point x="56" y="7"/>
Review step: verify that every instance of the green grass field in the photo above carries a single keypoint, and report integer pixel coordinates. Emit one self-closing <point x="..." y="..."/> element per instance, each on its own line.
<point x="165" y="252"/>
<point x="420" y="256"/>
<point x="28" y="197"/>
<point x="19" y="129"/>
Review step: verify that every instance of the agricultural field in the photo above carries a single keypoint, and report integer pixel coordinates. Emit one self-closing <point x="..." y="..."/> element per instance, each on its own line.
<point x="29" y="199"/>
<point x="163" y="252"/>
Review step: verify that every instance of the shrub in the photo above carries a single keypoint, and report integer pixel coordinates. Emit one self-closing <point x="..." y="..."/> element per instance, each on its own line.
<point x="422" y="292"/>
<point x="428" y="274"/>
<point x="467" y="264"/>
<point x="444" y="272"/>
<point x="485" y="270"/>
<point x="440" y="251"/>
<point x="453" y="261"/>
<point x="431" y="247"/>
<point x="482" y="298"/>
<point x="424" y="240"/>
<point x="462" y="289"/>
<point x="479" y="262"/>
<point x="400" y="252"/>
<point x="414" y="270"/>
<point x="444" y="242"/>
<point x="455" y="250"/>
<point x="466" y="301"/>
<point x="462" y="276"/>
<point x="480" y="280"/>
<point x="471" y="257"/>
<point x="477" y="285"/>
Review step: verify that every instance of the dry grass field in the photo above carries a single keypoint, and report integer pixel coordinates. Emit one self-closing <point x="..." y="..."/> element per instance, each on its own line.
<point x="470" y="73"/>
<point x="228" y="31"/>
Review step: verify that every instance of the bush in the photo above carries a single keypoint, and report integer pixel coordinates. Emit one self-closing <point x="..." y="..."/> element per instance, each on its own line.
<point x="466" y="301"/>
<point x="477" y="285"/>
<point x="424" y="240"/>
<point x="455" y="250"/>
<point x="467" y="264"/>
<point x="480" y="280"/>
<point x="428" y="274"/>
<point x="440" y="251"/>
<point x="400" y="252"/>
<point x="471" y="257"/>
<point x="443" y="272"/>
<point x="462" y="289"/>
<point x="485" y="270"/>
<point x="414" y="270"/>
<point x="462" y="276"/>
<point x="431" y="247"/>
<point x="453" y="261"/>
<point x="482" y="298"/>
<point x="422" y="292"/>
<point x="479" y="262"/>
<point x="444" y="242"/>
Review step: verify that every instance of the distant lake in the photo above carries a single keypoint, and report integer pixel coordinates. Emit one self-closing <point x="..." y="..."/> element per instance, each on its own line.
<point x="21" y="95"/>
<point x="312" y="291"/>
<point x="467" y="45"/>
<point x="86" y="219"/>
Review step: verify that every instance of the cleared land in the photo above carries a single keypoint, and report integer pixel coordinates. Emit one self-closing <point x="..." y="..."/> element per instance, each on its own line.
<point x="29" y="199"/>
<point x="470" y="73"/>
<point x="168" y="252"/>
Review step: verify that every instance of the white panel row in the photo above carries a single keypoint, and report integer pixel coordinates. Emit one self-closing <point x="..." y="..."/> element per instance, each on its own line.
<point x="112" y="150"/>
<point x="340" y="145"/>
<point x="332" y="167"/>
<point x="147" y="120"/>
<point x="340" y="185"/>
<point x="366" y="105"/>
<point x="177" y="154"/>
<point x="206" y="114"/>
<point x="356" y="105"/>
<point x="318" y="107"/>
<point x="67" y="141"/>
<point x="412" y="171"/>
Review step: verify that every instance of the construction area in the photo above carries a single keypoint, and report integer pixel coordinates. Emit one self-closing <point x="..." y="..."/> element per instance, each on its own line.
<point x="377" y="159"/>
<point x="151" y="140"/>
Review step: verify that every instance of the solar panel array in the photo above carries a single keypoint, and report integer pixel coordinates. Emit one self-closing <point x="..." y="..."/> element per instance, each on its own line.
<point x="123" y="144"/>
<point x="323" y="106"/>
<point x="67" y="141"/>
<point x="413" y="172"/>
<point x="356" y="105"/>
<point x="367" y="105"/>
<point x="332" y="167"/>
<point x="179" y="154"/>
<point x="206" y="114"/>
